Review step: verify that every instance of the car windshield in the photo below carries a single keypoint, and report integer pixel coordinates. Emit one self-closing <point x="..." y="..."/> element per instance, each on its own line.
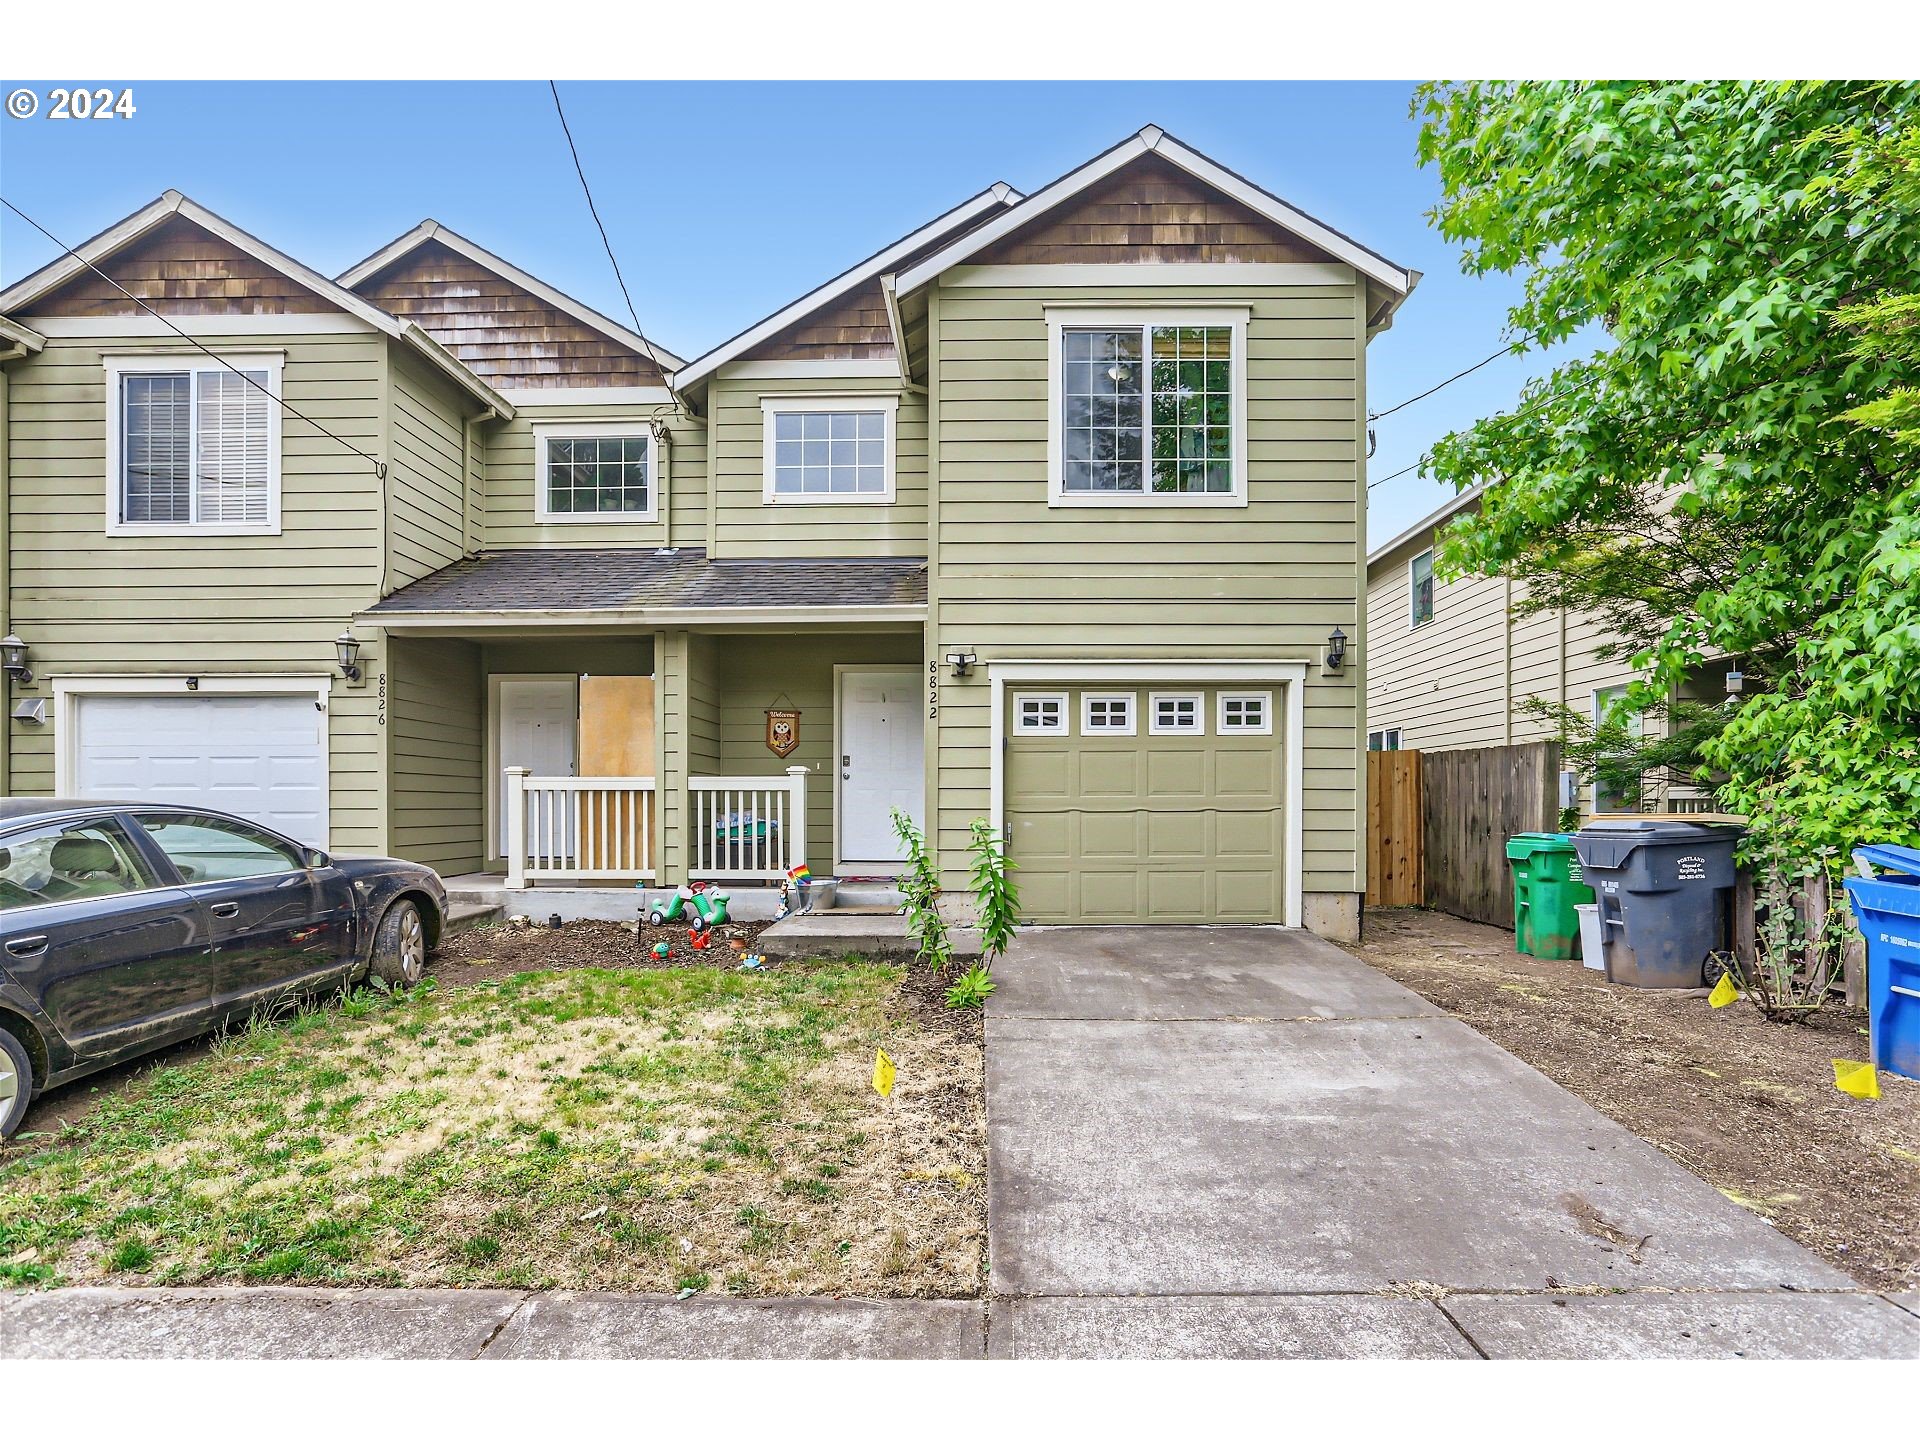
<point x="70" y="860"/>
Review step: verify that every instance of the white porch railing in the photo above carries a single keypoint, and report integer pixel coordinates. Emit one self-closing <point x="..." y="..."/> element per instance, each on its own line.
<point x="579" y="827"/>
<point x="747" y="827"/>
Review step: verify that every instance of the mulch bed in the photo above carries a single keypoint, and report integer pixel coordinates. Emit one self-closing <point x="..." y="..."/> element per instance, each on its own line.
<point x="1746" y="1104"/>
<point x="496" y="951"/>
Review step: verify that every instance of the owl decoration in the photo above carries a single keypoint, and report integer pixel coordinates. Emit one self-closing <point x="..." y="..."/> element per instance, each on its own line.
<point x="783" y="731"/>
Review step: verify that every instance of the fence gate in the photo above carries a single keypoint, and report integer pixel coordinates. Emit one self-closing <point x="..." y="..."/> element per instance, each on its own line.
<point x="1473" y="800"/>
<point x="1396" y="842"/>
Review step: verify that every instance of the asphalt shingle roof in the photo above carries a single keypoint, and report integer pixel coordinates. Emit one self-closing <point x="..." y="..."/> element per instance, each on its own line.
<point x="682" y="579"/>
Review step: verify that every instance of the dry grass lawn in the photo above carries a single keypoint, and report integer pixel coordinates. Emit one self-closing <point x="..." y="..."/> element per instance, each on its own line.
<point x="647" y="1129"/>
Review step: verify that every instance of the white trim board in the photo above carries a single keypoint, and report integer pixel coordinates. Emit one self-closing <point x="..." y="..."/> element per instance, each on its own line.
<point x="1290" y="676"/>
<point x="997" y="196"/>
<point x="117" y="237"/>
<point x="813" y="370"/>
<point x="69" y="690"/>
<point x="1152" y="139"/>
<point x="433" y="230"/>
<point x="1235" y="277"/>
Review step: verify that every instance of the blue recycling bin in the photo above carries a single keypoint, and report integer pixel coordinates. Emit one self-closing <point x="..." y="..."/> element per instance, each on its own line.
<point x="1888" y="910"/>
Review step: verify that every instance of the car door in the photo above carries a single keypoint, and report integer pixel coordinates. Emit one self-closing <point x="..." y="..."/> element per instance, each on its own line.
<point x="278" y="923"/>
<point x="118" y="959"/>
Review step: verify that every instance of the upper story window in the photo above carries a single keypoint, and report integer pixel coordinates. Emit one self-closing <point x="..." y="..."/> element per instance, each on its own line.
<point x="1420" y="589"/>
<point x="193" y="445"/>
<point x="828" y="449"/>
<point x="594" y="473"/>
<point x="1148" y="406"/>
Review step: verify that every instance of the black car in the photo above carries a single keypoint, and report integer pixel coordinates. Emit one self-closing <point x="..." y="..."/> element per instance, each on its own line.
<point x="125" y="928"/>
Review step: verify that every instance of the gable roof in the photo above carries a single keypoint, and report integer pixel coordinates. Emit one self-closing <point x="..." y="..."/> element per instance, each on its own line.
<point x="14" y="333"/>
<point x="1396" y="280"/>
<point x="433" y="230"/>
<point x="89" y="253"/>
<point x="997" y="196"/>
<point x="1460" y="503"/>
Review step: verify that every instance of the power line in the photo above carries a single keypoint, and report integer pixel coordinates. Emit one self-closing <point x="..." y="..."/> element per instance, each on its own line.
<point x="594" y="211"/>
<point x="379" y="466"/>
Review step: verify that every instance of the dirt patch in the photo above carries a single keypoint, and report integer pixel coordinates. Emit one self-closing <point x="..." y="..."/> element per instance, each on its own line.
<point x="1747" y="1105"/>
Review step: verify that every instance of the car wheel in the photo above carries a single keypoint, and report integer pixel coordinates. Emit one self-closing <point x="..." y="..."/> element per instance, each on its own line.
<point x="400" y="945"/>
<point x="16" y="1083"/>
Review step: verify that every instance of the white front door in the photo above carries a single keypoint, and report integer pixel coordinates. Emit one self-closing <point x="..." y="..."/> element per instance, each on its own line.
<point x="882" y="764"/>
<point x="538" y="725"/>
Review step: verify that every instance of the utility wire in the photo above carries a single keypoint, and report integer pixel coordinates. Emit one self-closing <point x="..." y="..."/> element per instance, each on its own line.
<point x="379" y="466"/>
<point x="594" y="210"/>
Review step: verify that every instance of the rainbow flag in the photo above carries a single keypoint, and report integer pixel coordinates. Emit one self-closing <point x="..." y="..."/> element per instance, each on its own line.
<point x="800" y="874"/>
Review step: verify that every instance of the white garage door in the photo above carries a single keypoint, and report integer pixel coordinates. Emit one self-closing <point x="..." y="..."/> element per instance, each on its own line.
<point x="257" y="756"/>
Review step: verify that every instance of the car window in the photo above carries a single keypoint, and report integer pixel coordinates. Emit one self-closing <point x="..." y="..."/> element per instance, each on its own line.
<point x="73" y="860"/>
<point x="203" y="848"/>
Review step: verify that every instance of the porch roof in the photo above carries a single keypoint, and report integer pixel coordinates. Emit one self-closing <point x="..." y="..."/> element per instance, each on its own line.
<point x="632" y="583"/>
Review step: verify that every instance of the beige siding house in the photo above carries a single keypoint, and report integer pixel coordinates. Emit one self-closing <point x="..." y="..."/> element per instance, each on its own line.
<point x="1455" y="663"/>
<point x="1045" y="515"/>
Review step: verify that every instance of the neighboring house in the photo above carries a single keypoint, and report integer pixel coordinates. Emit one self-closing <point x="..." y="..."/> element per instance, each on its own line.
<point x="1043" y="514"/>
<point x="1454" y="664"/>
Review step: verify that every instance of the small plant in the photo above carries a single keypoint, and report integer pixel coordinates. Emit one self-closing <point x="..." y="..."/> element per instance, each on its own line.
<point x="130" y="1255"/>
<point x="920" y="885"/>
<point x="997" y="902"/>
<point x="480" y="1249"/>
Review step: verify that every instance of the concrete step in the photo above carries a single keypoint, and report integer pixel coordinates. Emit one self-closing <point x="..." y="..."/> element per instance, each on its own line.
<point x="463" y="916"/>
<point x="832" y="933"/>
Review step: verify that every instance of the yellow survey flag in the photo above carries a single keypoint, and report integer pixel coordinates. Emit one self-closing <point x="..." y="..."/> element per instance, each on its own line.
<point x="1724" y="994"/>
<point x="883" y="1072"/>
<point x="1857" y="1077"/>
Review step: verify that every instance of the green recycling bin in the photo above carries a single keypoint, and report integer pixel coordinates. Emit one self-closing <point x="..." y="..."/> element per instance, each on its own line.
<point x="1546" y="887"/>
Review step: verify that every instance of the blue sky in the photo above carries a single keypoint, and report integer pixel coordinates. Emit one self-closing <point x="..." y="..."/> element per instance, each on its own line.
<point x="726" y="201"/>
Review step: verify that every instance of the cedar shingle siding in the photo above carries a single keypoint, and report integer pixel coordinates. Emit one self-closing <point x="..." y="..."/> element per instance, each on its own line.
<point x="180" y="269"/>
<point x="504" y="334"/>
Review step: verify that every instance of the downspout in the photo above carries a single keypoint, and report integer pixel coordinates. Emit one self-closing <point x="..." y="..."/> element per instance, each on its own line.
<point x="472" y="489"/>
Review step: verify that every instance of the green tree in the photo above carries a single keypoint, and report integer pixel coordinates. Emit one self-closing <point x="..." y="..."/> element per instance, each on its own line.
<point x="1733" y="470"/>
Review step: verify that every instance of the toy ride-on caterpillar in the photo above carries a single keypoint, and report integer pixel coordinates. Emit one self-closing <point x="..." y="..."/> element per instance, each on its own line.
<point x="703" y="903"/>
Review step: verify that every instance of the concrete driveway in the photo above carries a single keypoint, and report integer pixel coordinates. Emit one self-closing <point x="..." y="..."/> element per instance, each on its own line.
<point x="1243" y="1141"/>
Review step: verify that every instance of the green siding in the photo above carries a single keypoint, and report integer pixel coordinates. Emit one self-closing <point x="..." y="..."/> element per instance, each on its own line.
<point x="1015" y="578"/>
<point x="427" y="488"/>
<point x="511" y="521"/>
<point x="744" y="524"/>
<point x="94" y="604"/>
<point x="436" y="753"/>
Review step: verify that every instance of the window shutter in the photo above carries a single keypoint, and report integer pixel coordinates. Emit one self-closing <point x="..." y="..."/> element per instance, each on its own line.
<point x="232" y="467"/>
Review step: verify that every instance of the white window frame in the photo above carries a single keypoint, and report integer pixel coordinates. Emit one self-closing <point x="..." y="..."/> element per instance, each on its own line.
<point x="1090" y="731"/>
<point x="1414" y="622"/>
<point x="1637" y="728"/>
<point x="1265" y="727"/>
<point x="118" y="367"/>
<point x="851" y="402"/>
<point x="1063" y="317"/>
<point x="1198" y="701"/>
<point x="1059" y="698"/>
<point x="1393" y="730"/>
<point x="594" y="430"/>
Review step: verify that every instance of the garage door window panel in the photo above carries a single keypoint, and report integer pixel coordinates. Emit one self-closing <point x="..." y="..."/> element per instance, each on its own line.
<point x="1176" y="714"/>
<point x="1247" y="712"/>
<point x="1040" y="715"/>
<point x="1107" y="713"/>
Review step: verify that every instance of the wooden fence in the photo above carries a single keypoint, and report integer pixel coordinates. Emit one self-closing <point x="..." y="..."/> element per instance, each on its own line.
<point x="1395" y="848"/>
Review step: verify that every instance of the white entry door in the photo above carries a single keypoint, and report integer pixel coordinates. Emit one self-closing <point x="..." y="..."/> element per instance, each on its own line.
<point x="538" y="724"/>
<point x="261" y="757"/>
<point x="882" y="764"/>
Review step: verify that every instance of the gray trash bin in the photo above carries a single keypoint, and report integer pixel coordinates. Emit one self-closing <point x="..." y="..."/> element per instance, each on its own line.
<point x="1665" y="892"/>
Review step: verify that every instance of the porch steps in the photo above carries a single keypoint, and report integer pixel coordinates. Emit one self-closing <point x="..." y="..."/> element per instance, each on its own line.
<point x="463" y="916"/>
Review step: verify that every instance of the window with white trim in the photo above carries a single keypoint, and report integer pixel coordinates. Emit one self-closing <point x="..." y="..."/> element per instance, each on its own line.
<point x="1246" y="712"/>
<point x="1148" y="406"/>
<point x="1104" y="713"/>
<point x="1420" y="589"/>
<point x="1383" y="739"/>
<point x="1040" y="715"/>
<point x="828" y="449"/>
<point x="588" y="473"/>
<point x="1174" y="714"/>
<point x="194" y="445"/>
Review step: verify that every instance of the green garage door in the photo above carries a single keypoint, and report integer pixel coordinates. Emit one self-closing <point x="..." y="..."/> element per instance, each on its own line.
<point x="1180" y="827"/>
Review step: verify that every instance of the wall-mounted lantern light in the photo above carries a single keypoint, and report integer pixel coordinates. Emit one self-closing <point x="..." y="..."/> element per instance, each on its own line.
<point x="962" y="662"/>
<point x="1736" y="682"/>
<point x="13" y="660"/>
<point x="1336" y="648"/>
<point x="349" y="653"/>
